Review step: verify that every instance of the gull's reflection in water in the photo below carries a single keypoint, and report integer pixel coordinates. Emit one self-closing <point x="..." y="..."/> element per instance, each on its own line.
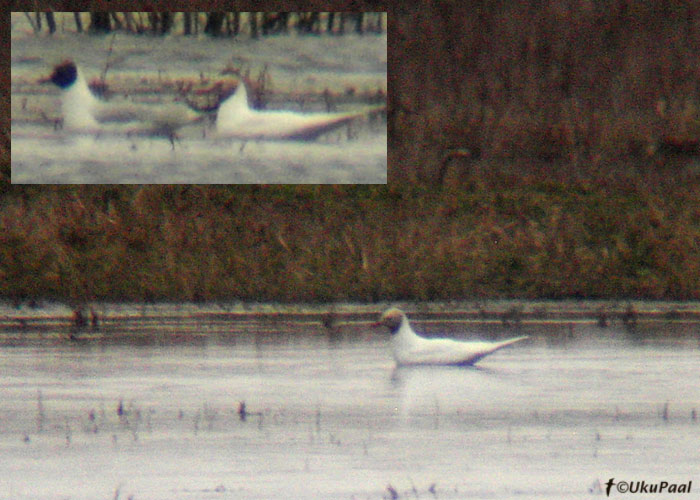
<point x="429" y="391"/>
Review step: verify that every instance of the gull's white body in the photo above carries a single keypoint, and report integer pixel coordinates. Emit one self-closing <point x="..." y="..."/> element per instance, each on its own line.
<point x="411" y="349"/>
<point x="78" y="106"/>
<point x="236" y="119"/>
<point x="83" y="112"/>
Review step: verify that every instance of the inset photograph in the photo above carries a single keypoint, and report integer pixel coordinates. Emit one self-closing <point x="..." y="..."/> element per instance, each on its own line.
<point x="199" y="98"/>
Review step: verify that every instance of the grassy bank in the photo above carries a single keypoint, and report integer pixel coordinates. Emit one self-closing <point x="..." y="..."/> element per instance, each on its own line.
<point x="530" y="231"/>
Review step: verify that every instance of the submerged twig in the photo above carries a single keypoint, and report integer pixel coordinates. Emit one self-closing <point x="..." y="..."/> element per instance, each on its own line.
<point x="109" y="54"/>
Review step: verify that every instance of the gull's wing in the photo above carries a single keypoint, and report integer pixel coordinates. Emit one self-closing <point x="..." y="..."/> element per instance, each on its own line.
<point x="478" y="350"/>
<point x="453" y="352"/>
<point x="315" y="126"/>
<point x="283" y="125"/>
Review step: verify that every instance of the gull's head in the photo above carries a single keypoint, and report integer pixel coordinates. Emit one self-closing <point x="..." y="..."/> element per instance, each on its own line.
<point x="65" y="74"/>
<point x="392" y="319"/>
<point x="77" y="101"/>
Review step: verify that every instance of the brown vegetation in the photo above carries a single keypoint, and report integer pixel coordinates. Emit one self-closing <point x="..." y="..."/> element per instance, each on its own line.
<point x="543" y="150"/>
<point x="215" y="24"/>
<point x="564" y="82"/>
<point x="530" y="232"/>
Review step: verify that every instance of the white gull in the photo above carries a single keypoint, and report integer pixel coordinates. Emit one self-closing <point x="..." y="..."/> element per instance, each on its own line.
<point x="236" y="119"/>
<point x="412" y="349"/>
<point x="83" y="112"/>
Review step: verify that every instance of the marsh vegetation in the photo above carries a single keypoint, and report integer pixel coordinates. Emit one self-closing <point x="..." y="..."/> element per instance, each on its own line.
<point x="556" y="161"/>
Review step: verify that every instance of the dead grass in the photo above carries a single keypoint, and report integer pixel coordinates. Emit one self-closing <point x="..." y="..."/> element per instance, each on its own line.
<point x="583" y="181"/>
<point x="529" y="232"/>
<point x="567" y="82"/>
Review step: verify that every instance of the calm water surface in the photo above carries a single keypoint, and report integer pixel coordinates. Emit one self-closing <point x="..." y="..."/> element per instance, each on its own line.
<point x="329" y="416"/>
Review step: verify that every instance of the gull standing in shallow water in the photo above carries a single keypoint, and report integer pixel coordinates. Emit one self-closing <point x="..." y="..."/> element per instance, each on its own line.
<point x="412" y="349"/>
<point x="84" y="113"/>
<point x="236" y="119"/>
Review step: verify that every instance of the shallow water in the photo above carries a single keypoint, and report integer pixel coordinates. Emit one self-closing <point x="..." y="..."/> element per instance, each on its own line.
<point x="57" y="159"/>
<point x="296" y="64"/>
<point x="329" y="416"/>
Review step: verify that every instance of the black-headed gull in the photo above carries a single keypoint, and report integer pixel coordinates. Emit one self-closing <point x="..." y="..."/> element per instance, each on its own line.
<point x="412" y="349"/>
<point x="83" y="112"/>
<point x="236" y="119"/>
